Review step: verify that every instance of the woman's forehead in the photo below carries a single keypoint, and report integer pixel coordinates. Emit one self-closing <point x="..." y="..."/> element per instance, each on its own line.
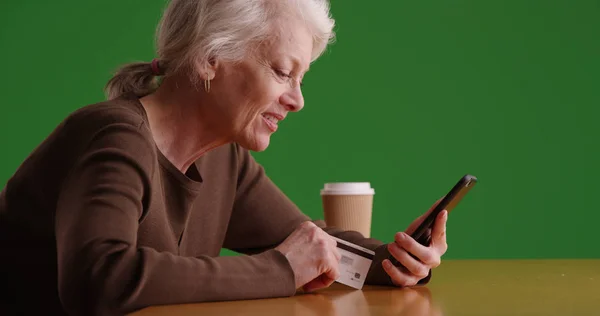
<point x="293" y="43"/>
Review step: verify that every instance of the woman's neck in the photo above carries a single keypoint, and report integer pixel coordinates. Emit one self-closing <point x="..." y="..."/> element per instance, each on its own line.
<point x="175" y="112"/>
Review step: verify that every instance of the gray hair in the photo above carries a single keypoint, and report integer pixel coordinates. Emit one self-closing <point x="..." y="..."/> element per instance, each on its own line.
<point x="192" y="32"/>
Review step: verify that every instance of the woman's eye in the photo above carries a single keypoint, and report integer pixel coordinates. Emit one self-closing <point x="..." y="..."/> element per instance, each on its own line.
<point x="286" y="76"/>
<point x="282" y="74"/>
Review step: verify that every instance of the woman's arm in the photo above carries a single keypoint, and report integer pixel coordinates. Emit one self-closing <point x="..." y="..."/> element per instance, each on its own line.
<point x="264" y="216"/>
<point x="102" y="270"/>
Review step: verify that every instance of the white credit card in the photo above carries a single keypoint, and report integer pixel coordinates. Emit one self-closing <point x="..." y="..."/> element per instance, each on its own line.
<point x="354" y="264"/>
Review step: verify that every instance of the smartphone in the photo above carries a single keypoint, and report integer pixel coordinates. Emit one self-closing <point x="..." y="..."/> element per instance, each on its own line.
<point x="422" y="233"/>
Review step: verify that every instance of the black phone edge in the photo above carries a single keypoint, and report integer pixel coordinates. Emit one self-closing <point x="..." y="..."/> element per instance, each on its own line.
<point x="419" y="231"/>
<point x="426" y="224"/>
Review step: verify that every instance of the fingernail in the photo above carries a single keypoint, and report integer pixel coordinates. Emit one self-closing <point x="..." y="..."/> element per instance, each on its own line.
<point x="445" y="214"/>
<point x="387" y="264"/>
<point x="401" y="236"/>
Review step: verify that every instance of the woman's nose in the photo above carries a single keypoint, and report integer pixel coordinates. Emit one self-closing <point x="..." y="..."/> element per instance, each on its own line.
<point x="293" y="100"/>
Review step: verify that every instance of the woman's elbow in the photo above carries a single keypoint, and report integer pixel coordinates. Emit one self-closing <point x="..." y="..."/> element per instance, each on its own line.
<point x="100" y="288"/>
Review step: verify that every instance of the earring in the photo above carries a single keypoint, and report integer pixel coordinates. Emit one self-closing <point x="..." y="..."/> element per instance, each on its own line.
<point x="207" y="84"/>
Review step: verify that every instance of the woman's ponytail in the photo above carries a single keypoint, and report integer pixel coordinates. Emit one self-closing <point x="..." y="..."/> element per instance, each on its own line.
<point x="138" y="78"/>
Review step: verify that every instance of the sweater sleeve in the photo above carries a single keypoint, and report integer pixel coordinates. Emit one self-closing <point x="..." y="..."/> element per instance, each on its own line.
<point x="102" y="270"/>
<point x="264" y="216"/>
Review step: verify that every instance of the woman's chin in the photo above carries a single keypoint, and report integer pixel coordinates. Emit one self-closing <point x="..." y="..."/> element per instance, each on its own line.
<point x="264" y="142"/>
<point x="257" y="144"/>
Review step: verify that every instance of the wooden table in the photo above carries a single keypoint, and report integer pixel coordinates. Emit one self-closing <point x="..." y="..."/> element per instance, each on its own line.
<point x="458" y="287"/>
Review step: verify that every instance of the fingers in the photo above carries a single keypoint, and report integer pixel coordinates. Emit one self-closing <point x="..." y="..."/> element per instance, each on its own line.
<point x="332" y="266"/>
<point x="437" y="202"/>
<point x="336" y="255"/>
<point x="431" y="208"/>
<point x="330" y="255"/>
<point x="329" y="276"/>
<point x="311" y="252"/>
<point x="426" y="255"/>
<point x="399" y="278"/>
<point x="438" y="238"/>
<point x="411" y="228"/>
<point x="316" y="234"/>
<point x="413" y="266"/>
<point x="320" y="282"/>
<point x="416" y="259"/>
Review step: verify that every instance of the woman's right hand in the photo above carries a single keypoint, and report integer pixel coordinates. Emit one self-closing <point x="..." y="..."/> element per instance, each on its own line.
<point x="313" y="255"/>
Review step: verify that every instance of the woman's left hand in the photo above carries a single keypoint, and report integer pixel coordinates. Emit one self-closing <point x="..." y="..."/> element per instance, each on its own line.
<point x="428" y="257"/>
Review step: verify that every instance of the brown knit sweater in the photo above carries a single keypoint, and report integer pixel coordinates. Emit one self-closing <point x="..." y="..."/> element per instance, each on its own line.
<point x="96" y="221"/>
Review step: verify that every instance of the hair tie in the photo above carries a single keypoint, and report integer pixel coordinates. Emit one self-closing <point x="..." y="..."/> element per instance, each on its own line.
<point x="155" y="67"/>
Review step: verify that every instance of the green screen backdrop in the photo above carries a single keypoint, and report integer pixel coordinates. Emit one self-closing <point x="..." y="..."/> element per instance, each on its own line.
<point x="412" y="95"/>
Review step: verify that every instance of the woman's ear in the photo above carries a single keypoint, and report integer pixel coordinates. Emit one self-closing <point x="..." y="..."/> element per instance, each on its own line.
<point x="207" y="69"/>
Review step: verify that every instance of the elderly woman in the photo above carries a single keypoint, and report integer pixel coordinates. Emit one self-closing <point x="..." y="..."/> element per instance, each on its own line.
<point x="128" y="202"/>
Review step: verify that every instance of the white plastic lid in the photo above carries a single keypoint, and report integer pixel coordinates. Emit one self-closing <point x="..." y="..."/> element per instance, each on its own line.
<point x="347" y="188"/>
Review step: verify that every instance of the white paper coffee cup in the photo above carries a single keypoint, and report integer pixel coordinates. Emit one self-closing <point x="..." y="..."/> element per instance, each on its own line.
<point x="348" y="206"/>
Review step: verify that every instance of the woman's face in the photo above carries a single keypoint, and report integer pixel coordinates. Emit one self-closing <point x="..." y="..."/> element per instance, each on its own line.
<point x="251" y="97"/>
